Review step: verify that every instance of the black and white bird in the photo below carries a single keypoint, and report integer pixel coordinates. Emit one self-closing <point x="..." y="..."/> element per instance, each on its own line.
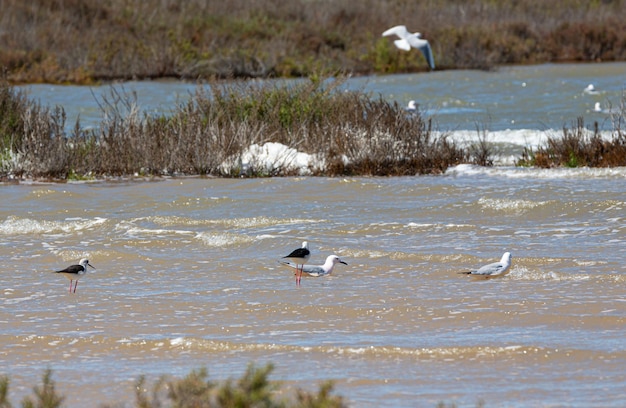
<point x="493" y="269"/>
<point x="408" y="40"/>
<point x="75" y="272"/>
<point x="319" y="270"/>
<point x="299" y="257"/>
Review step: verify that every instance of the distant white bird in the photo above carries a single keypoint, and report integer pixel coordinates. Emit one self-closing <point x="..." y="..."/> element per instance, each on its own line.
<point x="75" y="272"/>
<point x="408" y="40"/>
<point x="591" y="90"/>
<point x="318" y="270"/>
<point x="299" y="257"/>
<point x="493" y="269"/>
<point x="607" y="111"/>
<point x="411" y="107"/>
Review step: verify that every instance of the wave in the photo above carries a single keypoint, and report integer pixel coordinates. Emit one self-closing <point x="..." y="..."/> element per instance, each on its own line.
<point x="222" y="239"/>
<point x="530" y="138"/>
<point x="214" y="232"/>
<point x="17" y="226"/>
<point x="98" y="344"/>
<point x="246" y="222"/>
<point x="524" y="273"/>
<point x="530" y="173"/>
<point x="505" y="205"/>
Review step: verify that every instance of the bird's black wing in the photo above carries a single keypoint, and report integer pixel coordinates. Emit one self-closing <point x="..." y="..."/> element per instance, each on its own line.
<point x="298" y="253"/>
<point x="72" y="269"/>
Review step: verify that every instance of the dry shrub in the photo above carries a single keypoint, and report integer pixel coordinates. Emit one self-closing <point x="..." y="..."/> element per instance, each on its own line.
<point x="348" y="132"/>
<point x="579" y="147"/>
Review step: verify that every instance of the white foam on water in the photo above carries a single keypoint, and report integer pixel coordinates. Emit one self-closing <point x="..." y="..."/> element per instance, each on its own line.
<point x="17" y="226"/>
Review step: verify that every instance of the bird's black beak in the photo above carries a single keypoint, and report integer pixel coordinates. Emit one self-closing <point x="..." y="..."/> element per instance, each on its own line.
<point x="343" y="262"/>
<point x="91" y="265"/>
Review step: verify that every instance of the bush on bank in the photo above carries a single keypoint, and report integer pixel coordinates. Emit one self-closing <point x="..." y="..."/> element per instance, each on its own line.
<point x="60" y="41"/>
<point x="347" y="131"/>
<point x="580" y="147"/>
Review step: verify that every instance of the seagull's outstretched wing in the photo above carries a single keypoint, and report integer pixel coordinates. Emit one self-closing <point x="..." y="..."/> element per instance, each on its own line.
<point x="398" y="30"/>
<point x="428" y="54"/>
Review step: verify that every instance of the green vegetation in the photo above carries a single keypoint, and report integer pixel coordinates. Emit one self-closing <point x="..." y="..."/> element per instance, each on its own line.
<point x="63" y="41"/>
<point x="253" y="389"/>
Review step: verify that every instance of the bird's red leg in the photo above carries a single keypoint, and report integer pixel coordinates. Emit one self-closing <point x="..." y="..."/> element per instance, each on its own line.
<point x="76" y="284"/>
<point x="300" y="274"/>
<point x="70" y="286"/>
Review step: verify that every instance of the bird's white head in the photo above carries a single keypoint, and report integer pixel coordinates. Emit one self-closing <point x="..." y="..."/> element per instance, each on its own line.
<point x="334" y="260"/>
<point x="506" y="258"/>
<point x="305" y="244"/>
<point x="85" y="263"/>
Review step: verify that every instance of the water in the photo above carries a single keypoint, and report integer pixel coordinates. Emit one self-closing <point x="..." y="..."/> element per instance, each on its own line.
<point x="531" y="98"/>
<point x="188" y="277"/>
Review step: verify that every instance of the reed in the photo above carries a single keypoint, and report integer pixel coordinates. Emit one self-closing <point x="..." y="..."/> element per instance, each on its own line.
<point x="87" y="41"/>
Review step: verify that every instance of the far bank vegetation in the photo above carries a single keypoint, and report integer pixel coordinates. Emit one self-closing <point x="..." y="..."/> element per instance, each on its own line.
<point x="87" y="41"/>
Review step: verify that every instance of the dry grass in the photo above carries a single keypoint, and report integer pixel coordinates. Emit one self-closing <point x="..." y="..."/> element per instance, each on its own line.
<point x="83" y="41"/>
<point x="347" y="130"/>
<point x="579" y="147"/>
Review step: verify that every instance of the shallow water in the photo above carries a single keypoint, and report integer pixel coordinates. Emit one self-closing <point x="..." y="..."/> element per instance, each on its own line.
<point x="188" y="277"/>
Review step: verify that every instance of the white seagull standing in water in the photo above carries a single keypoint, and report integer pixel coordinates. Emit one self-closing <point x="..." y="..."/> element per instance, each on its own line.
<point x="299" y="257"/>
<point x="75" y="272"/>
<point x="493" y="269"/>
<point x="408" y="40"/>
<point x="318" y="270"/>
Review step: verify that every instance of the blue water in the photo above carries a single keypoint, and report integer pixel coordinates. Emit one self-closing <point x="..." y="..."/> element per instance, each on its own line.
<point x="536" y="97"/>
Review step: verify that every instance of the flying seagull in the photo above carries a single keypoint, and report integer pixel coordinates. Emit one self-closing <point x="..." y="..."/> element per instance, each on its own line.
<point x="408" y="40"/>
